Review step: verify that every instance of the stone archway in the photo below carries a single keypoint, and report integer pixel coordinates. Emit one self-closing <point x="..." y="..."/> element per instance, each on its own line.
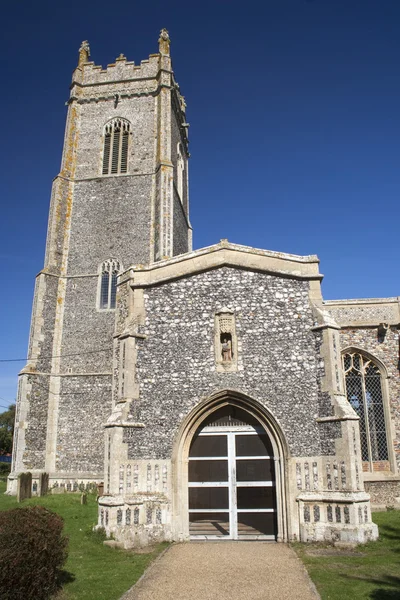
<point x="251" y="419"/>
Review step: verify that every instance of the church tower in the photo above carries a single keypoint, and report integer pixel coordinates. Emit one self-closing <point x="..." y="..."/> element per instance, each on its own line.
<point x="121" y="198"/>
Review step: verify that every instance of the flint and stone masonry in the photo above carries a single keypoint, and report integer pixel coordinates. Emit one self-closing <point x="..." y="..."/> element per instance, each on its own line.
<point x="142" y="350"/>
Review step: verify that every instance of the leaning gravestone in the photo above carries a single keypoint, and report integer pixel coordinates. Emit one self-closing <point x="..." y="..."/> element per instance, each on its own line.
<point x="43" y="484"/>
<point x="24" y="488"/>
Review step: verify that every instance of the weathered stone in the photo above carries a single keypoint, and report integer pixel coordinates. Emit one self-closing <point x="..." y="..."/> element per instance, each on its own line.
<point x="24" y="489"/>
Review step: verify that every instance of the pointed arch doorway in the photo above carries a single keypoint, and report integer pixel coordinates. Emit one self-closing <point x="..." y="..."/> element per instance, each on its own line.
<point x="231" y="478"/>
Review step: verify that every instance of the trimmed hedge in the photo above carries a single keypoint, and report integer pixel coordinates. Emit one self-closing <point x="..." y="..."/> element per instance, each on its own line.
<point x="32" y="551"/>
<point x="5" y="469"/>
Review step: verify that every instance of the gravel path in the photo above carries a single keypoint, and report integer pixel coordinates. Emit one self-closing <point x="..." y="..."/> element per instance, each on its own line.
<point x="225" y="570"/>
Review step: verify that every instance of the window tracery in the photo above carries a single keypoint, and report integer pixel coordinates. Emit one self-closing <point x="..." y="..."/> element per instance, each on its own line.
<point x="109" y="272"/>
<point x="116" y="144"/>
<point x="365" y="393"/>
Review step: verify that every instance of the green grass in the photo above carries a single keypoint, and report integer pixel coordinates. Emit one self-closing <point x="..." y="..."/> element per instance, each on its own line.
<point x="370" y="571"/>
<point x="93" y="571"/>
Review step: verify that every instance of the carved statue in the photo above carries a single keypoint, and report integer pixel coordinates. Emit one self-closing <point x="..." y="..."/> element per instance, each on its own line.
<point x="226" y="348"/>
<point x="84" y="53"/>
<point x="164" y="35"/>
<point x="163" y="42"/>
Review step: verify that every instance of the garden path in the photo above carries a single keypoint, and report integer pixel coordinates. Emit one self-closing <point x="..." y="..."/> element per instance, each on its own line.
<point x="225" y="570"/>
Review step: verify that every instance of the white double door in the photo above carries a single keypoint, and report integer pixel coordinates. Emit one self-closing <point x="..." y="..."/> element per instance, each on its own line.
<point x="232" y="484"/>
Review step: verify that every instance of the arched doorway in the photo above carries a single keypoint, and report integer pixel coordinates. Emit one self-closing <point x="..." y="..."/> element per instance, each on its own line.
<point x="231" y="478"/>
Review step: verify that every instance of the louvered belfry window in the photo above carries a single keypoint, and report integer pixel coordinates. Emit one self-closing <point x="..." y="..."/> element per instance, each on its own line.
<point x="108" y="283"/>
<point x="116" y="143"/>
<point x="365" y="394"/>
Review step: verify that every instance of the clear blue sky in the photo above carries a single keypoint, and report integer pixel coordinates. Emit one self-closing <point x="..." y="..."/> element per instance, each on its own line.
<point x="295" y="130"/>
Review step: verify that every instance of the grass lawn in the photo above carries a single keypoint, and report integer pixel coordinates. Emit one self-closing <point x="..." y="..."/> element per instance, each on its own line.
<point x="93" y="571"/>
<point x="371" y="571"/>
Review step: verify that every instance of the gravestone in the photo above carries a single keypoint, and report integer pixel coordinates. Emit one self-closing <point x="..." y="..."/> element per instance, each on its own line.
<point x="43" y="484"/>
<point x="24" y="486"/>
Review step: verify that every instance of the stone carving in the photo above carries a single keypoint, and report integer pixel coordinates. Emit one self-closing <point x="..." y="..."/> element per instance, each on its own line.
<point x="84" y="53"/>
<point x="343" y="473"/>
<point x="298" y="476"/>
<point x="307" y="475"/>
<point x="306" y="514"/>
<point x="338" y="514"/>
<point x="158" y="516"/>
<point x="225" y="341"/>
<point x="164" y="35"/>
<point x="226" y="347"/>
<point x="164" y="42"/>
<point x="346" y="513"/>
<point x="85" y="46"/>
<point x="329" y="513"/>
<point x="315" y="475"/>
<point x="316" y="513"/>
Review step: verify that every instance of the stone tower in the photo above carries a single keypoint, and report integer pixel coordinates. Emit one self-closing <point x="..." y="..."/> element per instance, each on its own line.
<point x="121" y="198"/>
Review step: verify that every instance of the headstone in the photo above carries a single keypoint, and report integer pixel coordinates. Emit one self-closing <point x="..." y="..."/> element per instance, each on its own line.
<point x="43" y="484"/>
<point x="24" y="486"/>
<point x="84" y="498"/>
<point x="100" y="488"/>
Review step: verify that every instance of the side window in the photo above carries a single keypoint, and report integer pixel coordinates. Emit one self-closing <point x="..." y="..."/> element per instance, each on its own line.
<point x="365" y="393"/>
<point x="108" y="284"/>
<point x="116" y="144"/>
<point x="180" y="171"/>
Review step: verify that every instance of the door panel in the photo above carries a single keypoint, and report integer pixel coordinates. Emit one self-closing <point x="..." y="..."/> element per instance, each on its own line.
<point x="209" y="498"/>
<point x="255" y="470"/>
<point x="232" y="482"/>
<point x="256" y="523"/>
<point x="209" y="445"/>
<point x="208" y="470"/>
<point x="206" y="524"/>
<point x="255" y="497"/>
<point x="253" y="445"/>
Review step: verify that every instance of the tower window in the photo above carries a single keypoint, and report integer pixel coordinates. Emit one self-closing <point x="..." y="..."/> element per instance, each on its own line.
<point x="116" y="143"/>
<point x="108" y="284"/>
<point x="365" y="394"/>
<point x="180" y="169"/>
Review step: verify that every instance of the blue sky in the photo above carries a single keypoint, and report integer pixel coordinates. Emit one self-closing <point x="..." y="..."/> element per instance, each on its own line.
<point x="295" y="130"/>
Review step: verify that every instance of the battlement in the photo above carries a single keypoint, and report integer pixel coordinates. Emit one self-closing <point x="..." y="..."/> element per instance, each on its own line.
<point x="122" y="76"/>
<point x="90" y="74"/>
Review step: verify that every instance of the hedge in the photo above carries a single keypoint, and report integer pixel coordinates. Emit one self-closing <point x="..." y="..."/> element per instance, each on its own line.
<point x="32" y="552"/>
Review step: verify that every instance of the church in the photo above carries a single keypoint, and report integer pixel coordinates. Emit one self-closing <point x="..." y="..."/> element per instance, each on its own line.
<point x="214" y="393"/>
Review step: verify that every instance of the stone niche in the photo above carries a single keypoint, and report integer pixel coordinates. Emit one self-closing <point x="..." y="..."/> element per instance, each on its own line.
<point x="226" y="346"/>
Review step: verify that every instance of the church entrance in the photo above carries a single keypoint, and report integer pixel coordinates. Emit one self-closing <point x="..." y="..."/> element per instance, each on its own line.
<point x="232" y="492"/>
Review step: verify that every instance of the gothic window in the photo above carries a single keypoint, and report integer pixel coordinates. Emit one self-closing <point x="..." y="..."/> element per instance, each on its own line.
<point x="365" y="393"/>
<point x="180" y="169"/>
<point x="116" y="143"/>
<point x="108" y="283"/>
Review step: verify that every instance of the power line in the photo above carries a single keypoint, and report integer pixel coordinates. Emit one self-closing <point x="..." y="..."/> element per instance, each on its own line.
<point x="4" y="360"/>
